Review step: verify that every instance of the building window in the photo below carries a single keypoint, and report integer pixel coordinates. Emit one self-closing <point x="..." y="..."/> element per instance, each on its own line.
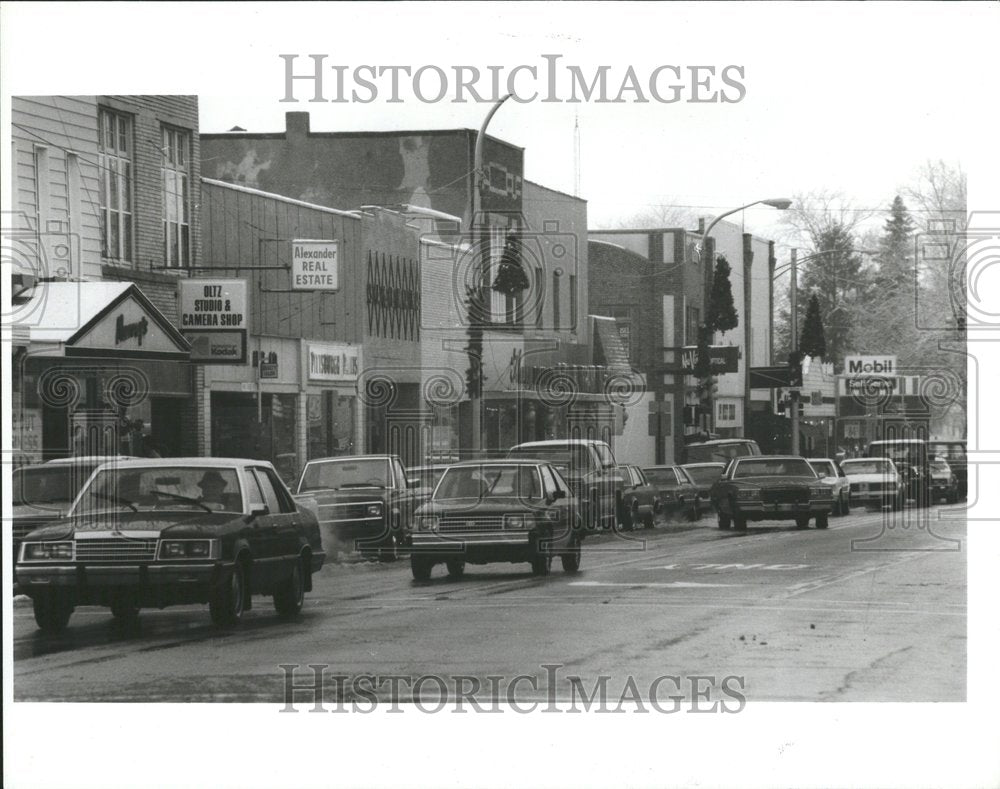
<point x="572" y="302"/>
<point x="726" y="412"/>
<point x="176" y="209"/>
<point x="114" y="140"/>
<point x="691" y="325"/>
<point x="555" y="300"/>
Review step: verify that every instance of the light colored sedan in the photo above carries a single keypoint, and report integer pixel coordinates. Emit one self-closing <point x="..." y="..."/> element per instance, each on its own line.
<point x="875" y="482"/>
<point x="831" y="474"/>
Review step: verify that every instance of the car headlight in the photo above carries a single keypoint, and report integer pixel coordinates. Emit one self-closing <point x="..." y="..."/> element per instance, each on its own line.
<point x="187" y="549"/>
<point x="375" y="509"/>
<point x="518" y="522"/>
<point x="427" y="523"/>
<point x="747" y="494"/>
<point x="46" y="551"/>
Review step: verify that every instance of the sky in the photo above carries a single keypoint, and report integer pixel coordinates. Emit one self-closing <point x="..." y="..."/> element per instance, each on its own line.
<point x="849" y="98"/>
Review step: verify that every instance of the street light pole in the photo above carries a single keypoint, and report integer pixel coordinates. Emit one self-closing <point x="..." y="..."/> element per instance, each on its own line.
<point x="781" y="203"/>
<point x="480" y="250"/>
<point x="794" y="299"/>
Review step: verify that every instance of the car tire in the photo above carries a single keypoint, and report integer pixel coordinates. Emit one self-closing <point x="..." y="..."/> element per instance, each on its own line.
<point x="647" y="522"/>
<point x="571" y="559"/>
<point x="541" y="563"/>
<point x="740" y="524"/>
<point x="823" y="521"/>
<point x="421" y="566"/>
<point x="845" y="504"/>
<point x="228" y="600"/>
<point x="725" y="521"/>
<point x="802" y="522"/>
<point x="456" y="568"/>
<point x="387" y="549"/>
<point x="52" y="611"/>
<point x="291" y="594"/>
<point x="124" y="609"/>
<point x="953" y="497"/>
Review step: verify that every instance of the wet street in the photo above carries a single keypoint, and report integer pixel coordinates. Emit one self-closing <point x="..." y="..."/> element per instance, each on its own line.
<point x="873" y="609"/>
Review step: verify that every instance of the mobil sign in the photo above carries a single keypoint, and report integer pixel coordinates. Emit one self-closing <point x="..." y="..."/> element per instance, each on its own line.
<point x="860" y="366"/>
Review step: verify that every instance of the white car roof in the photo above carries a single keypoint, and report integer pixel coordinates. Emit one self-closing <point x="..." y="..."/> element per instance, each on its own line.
<point x="558" y="442"/>
<point x="194" y="462"/>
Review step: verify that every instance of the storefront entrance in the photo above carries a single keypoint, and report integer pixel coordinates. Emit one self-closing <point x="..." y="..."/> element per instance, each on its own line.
<point x="240" y="429"/>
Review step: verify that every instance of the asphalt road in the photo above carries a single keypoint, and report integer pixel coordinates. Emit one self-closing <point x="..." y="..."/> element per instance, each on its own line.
<point x="872" y="609"/>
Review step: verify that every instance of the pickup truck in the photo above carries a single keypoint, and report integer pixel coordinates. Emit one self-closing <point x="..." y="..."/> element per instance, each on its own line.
<point x="590" y="468"/>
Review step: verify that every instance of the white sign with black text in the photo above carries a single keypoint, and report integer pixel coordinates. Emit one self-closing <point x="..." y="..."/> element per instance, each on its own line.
<point x="315" y="265"/>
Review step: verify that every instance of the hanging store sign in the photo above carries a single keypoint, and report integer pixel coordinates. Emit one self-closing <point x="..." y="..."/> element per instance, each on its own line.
<point x="213" y="318"/>
<point x="315" y="265"/>
<point x="721" y="358"/>
<point x="333" y="362"/>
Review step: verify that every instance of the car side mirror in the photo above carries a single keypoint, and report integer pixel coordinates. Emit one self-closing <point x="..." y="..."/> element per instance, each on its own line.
<point x="558" y="494"/>
<point x="257" y="512"/>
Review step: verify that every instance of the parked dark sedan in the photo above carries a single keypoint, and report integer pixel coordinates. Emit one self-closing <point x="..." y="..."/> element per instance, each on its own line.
<point x="497" y="511"/>
<point x="704" y="476"/>
<point x="155" y="533"/>
<point x="43" y="493"/>
<point x="678" y="492"/>
<point x="771" y="487"/>
<point x="640" y="500"/>
<point x="363" y="500"/>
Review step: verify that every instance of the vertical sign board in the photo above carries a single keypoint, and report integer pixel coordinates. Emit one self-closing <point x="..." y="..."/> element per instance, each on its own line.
<point x="315" y="265"/>
<point x="213" y="318"/>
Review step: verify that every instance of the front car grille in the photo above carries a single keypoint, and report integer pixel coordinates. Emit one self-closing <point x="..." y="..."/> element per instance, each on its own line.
<point x="116" y="549"/>
<point x="796" y="495"/>
<point x="870" y="487"/>
<point x="472" y="524"/>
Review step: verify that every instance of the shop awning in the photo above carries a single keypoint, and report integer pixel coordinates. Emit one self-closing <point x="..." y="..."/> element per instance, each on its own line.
<point x="100" y="319"/>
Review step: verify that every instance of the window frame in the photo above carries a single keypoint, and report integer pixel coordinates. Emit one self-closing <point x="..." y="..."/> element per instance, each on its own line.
<point x="123" y="171"/>
<point x="176" y="145"/>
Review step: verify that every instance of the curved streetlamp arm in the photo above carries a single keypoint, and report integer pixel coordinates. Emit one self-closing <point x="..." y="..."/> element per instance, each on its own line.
<point x="477" y="161"/>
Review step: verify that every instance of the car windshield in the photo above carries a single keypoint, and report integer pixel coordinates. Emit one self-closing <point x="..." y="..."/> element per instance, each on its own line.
<point x="489" y="482"/>
<point x="823" y="468"/>
<point x="206" y="488"/>
<point x="49" y="484"/>
<point x="948" y="451"/>
<point x="774" y="467"/>
<point x="568" y="458"/>
<point x="423" y="477"/>
<point x="660" y="476"/>
<point x="910" y="454"/>
<point x="706" y="453"/>
<point x="940" y="466"/>
<point x="866" y="467"/>
<point x="342" y="474"/>
<point x="704" y="474"/>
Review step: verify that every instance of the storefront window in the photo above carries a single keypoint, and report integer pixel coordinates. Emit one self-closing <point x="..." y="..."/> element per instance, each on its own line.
<point x="237" y="433"/>
<point x="329" y="425"/>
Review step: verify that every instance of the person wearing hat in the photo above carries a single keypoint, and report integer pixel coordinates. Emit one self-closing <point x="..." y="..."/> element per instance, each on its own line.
<point x="213" y="488"/>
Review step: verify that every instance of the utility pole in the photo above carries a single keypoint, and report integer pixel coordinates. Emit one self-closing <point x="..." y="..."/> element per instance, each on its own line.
<point x="794" y="299"/>
<point x="481" y="251"/>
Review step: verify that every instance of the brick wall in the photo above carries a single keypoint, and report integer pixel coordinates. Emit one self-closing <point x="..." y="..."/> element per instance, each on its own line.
<point x="150" y="114"/>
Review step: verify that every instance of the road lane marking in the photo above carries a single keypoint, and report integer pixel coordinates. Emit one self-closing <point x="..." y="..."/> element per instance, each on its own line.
<point x="733" y="566"/>
<point x="654" y="585"/>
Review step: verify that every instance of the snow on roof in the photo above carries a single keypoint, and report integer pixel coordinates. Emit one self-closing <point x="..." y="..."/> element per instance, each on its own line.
<point x="66" y="307"/>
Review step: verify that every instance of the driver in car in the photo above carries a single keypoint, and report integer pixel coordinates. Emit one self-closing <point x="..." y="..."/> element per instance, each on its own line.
<point x="213" y="488"/>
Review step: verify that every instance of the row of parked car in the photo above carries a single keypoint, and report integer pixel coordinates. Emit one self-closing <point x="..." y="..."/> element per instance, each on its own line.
<point x="131" y="533"/>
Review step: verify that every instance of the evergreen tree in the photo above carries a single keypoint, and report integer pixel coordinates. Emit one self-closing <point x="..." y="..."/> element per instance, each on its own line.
<point x="813" y="339"/>
<point x="510" y="278"/>
<point x="722" y="315"/>
<point x="840" y="285"/>
<point x="896" y="254"/>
